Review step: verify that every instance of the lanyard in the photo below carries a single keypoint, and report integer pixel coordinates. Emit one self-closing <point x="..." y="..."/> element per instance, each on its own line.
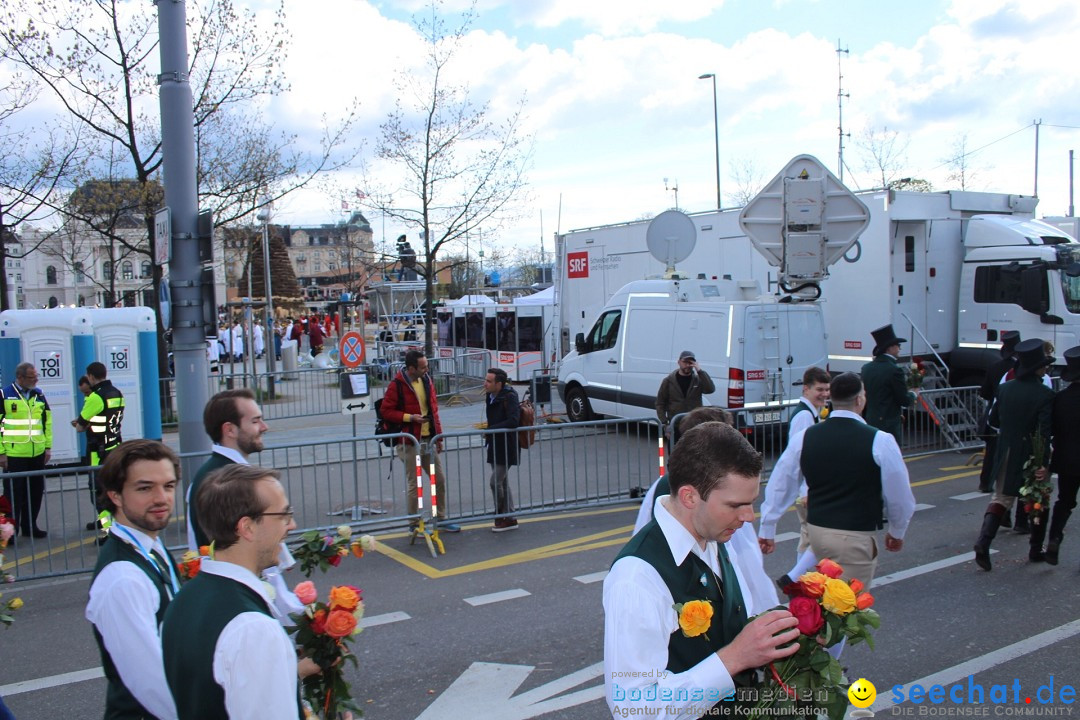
<point x="154" y="561"/>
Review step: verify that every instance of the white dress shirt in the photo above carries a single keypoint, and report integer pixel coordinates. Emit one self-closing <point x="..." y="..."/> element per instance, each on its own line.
<point x="123" y="607"/>
<point x="254" y="660"/>
<point x="759" y="592"/>
<point x="895" y="486"/>
<point x="638" y="622"/>
<point x="797" y="426"/>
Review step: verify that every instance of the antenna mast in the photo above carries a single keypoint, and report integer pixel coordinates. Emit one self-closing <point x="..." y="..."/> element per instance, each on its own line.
<point x="840" y="95"/>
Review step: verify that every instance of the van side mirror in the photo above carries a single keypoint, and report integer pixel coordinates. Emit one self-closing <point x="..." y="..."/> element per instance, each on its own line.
<point x="579" y="343"/>
<point x="1034" y="290"/>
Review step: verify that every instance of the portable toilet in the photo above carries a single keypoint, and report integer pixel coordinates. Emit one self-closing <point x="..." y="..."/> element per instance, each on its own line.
<point x="125" y="341"/>
<point x="60" y="343"/>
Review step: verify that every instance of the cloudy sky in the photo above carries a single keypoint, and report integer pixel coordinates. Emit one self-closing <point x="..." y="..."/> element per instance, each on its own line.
<point x="616" y="106"/>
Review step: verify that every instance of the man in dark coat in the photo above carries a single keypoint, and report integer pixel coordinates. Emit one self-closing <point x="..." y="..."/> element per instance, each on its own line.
<point x="886" y="383"/>
<point x="1065" y="461"/>
<point x="1023" y="407"/>
<point x="681" y="391"/>
<point x="503" y="413"/>
<point x="1009" y="340"/>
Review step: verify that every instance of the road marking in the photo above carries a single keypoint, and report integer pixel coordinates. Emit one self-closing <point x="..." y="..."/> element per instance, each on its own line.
<point x="592" y="577"/>
<point x="484" y="692"/>
<point x="923" y="506"/>
<point x="784" y="537"/>
<point x="946" y="478"/>
<point x="497" y="597"/>
<point x="385" y="619"/>
<point x="1000" y="656"/>
<point x="970" y="496"/>
<point x="923" y="569"/>
<point x="52" y="681"/>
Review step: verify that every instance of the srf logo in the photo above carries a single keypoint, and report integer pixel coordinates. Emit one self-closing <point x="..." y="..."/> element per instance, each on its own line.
<point x="577" y="265"/>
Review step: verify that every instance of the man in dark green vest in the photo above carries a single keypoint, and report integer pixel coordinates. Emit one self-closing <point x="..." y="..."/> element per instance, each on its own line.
<point x="1024" y="406"/>
<point x="240" y="662"/>
<point x="886" y="383"/>
<point x="662" y="656"/>
<point x="850" y="468"/>
<point x="135" y="580"/>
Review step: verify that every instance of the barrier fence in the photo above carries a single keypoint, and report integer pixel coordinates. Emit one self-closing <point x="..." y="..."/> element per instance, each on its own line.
<point x="360" y="481"/>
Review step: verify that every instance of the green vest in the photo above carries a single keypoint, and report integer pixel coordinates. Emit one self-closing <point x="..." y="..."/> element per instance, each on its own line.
<point x="843" y="481"/>
<point x="800" y="408"/>
<point x="207" y="604"/>
<point x="103" y="413"/>
<point x="684" y="584"/>
<point x="120" y="704"/>
<point x="214" y="462"/>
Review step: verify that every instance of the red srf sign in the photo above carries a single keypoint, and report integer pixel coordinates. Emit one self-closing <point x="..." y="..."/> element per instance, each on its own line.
<point x="577" y="265"/>
<point x="853" y="344"/>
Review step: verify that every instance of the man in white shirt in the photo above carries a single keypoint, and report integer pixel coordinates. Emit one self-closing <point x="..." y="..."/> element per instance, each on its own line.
<point x="743" y="550"/>
<point x="135" y="579"/>
<point x="240" y="664"/>
<point x="650" y="666"/>
<point x="850" y="469"/>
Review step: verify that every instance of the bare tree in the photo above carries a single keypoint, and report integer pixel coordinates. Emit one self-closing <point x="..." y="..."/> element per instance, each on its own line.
<point x="98" y="59"/>
<point x="748" y="180"/>
<point x="963" y="171"/>
<point x="462" y="170"/>
<point x="884" y="152"/>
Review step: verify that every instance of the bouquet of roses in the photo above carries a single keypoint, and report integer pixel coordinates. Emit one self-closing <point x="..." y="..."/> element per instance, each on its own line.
<point x="828" y="609"/>
<point x="323" y="632"/>
<point x="916" y="374"/>
<point x="324" y="551"/>
<point x="1035" y="492"/>
<point x="191" y="561"/>
<point x="7" y="531"/>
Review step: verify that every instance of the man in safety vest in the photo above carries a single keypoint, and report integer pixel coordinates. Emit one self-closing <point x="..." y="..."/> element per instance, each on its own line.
<point x="101" y="417"/>
<point x="26" y="429"/>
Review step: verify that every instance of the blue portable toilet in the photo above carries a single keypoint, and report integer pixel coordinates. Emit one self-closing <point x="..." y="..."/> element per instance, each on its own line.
<point x="125" y="341"/>
<point x="60" y="343"/>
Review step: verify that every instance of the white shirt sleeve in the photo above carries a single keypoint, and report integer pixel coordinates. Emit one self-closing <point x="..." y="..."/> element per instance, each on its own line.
<point x="638" y="622"/>
<point x="123" y="607"/>
<point x="758" y="589"/>
<point x="895" y="484"/>
<point x="255" y="663"/>
<point x="645" y="512"/>
<point x="782" y="488"/>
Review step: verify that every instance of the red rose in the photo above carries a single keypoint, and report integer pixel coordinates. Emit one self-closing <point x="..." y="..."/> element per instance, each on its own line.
<point x="334" y="560"/>
<point x="830" y="568"/>
<point x="808" y="613"/>
<point x="318" y="622"/>
<point x="864" y="600"/>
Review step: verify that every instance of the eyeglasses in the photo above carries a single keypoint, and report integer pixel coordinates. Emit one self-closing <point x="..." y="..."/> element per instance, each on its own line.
<point x="288" y="514"/>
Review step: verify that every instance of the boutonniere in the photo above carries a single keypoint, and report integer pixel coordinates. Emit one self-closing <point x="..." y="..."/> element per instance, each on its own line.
<point x="695" y="617"/>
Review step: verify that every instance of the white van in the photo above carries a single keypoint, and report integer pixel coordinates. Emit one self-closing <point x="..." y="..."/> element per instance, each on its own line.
<point x="753" y="347"/>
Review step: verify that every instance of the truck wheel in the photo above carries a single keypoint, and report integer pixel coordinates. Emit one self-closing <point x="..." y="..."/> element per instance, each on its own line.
<point x="577" y="405"/>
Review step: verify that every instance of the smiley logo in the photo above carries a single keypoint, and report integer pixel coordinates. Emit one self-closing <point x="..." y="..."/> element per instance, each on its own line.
<point x="862" y="693"/>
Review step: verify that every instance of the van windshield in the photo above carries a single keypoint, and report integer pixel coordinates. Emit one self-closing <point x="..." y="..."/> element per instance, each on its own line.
<point x="1070" y="288"/>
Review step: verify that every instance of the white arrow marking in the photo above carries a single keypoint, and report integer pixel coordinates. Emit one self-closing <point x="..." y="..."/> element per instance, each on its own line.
<point x="484" y="692"/>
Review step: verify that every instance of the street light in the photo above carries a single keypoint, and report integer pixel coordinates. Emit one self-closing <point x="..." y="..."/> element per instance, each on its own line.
<point x="716" y="131"/>
<point x="263" y="216"/>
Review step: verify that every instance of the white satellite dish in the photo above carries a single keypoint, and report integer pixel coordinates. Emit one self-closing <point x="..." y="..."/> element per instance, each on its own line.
<point x="671" y="237"/>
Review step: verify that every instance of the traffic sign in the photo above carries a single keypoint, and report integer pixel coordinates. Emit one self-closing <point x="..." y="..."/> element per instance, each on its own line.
<point x="162" y="236"/>
<point x="356" y="394"/>
<point x="351" y="349"/>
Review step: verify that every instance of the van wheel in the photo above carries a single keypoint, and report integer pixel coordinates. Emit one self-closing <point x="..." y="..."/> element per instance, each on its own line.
<point x="577" y="405"/>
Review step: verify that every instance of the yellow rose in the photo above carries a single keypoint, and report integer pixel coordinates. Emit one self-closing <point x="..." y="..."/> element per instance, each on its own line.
<point x="15" y="604"/>
<point x="838" y="597"/>
<point x="695" y="617"/>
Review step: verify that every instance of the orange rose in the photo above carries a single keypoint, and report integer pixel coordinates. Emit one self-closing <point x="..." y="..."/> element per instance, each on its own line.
<point x="830" y="568"/>
<point x="357" y="549"/>
<point x="695" y="617"/>
<point x="344" y="597"/>
<point x="856" y="586"/>
<point x="864" y="601"/>
<point x="205" y="551"/>
<point x="340" y="623"/>
<point x="813" y="583"/>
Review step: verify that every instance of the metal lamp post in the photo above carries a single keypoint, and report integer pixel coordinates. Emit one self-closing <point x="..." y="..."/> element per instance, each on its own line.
<point x="263" y="216"/>
<point x="716" y="132"/>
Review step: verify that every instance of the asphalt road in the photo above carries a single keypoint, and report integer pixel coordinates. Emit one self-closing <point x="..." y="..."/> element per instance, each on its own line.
<point x="510" y="625"/>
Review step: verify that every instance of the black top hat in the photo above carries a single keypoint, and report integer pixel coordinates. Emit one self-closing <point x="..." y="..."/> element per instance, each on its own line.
<point x="884" y="338"/>
<point x="1030" y="356"/>
<point x="1071" y="373"/>
<point x="1009" y="340"/>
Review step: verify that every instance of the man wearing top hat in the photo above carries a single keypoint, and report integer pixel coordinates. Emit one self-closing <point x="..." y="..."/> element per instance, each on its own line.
<point x="886" y="383"/>
<point x="1009" y="340"/>
<point x="1023" y="406"/>
<point x="1065" y="434"/>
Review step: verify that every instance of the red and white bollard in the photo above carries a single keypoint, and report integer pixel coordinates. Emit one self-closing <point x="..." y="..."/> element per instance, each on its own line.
<point x="661" y="454"/>
<point x="419" y="484"/>
<point x="431" y="477"/>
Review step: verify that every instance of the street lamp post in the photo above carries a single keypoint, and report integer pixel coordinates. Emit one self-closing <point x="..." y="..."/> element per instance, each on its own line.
<point x="263" y="216"/>
<point x="716" y="132"/>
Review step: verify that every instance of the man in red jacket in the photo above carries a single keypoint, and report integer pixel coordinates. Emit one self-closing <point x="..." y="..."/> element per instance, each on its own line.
<point x="410" y="403"/>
